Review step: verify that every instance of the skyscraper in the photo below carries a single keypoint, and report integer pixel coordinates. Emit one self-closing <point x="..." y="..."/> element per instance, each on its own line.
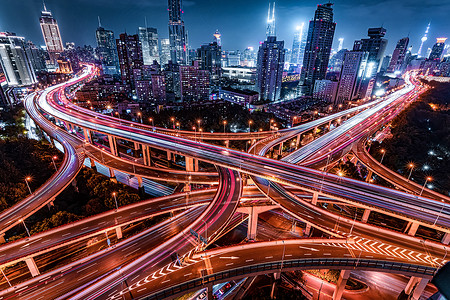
<point x="130" y="57"/>
<point x="375" y="45"/>
<point x="352" y="73"/>
<point x="177" y="33"/>
<point x="298" y="45"/>
<point x="437" y="50"/>
<point x="218" y="38"/>
<point x="149" y="43"/>
<point x="37" y="56"/>
<point x="51" y="34"/>
<point x="423" y="40"/>
<point x="398" y="57"/>
<point x="210" y="59"/>
<point x="107" y="50"/>
<point x="14" y="60"/>
<point x="318" y="48"/>
<point x="164" y="54"/>
<point x="270" y="63"/>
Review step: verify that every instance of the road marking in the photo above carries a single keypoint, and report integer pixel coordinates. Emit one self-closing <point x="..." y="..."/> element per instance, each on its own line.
<point x="90" y="266"/>
<point x="312" y="249"/>
<point x="307" y="254"/>
<point x="249" y="260"/>
<point x="267" y="257"/>
<point x="187" y="274"/>
<point x="229" y="264"/>
<point x="87" y="275"/>
<point x="166" y="281"/>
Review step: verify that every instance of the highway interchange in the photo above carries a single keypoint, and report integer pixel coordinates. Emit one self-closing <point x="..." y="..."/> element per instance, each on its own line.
<point x="143" y="265"/>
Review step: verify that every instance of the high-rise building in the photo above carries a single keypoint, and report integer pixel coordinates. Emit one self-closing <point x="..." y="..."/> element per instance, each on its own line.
<point x="51" y="34"/>
<point x="352" y="73"/>
<point x="437" y="50"/>
<point x="398" y="57"/>
<point x="218" y="38"/>
<point x="14" y="60"/>
<point x="271" y="28"/>
<point x="149" y="43"/>
<point x="107" y="50"/>
<point x="130" y="57"/>
<point x="385" y="63"/>
<point x="172" y="81"/>
<point x="423" y="40"/>
<point x="248" y="57"/>
<point x="318" y="48"/>
<point x="335" y="63"/>
<point x="270" y="69"/>
<point x="209" y="57"/>
<point x="37" y="56"/>
<point x="325" y="90"/>
<point x="375" y="46"/>
<point x="341" y="44"/>
<point x="177" y="33"/>
<point x="164" y="54"/>
<point x="194" y="83"/>
<point x="298" y="45"/>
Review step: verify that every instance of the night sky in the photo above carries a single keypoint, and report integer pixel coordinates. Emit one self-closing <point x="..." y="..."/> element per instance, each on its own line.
<point x="242" y="23"/>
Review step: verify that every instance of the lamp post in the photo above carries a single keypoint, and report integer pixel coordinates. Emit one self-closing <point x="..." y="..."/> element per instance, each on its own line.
<point x="115" y="199"/>
<point x="206" y="229"/>
<point x="53" y="160"/>
<point x="173" y="122"/>
<point x="26" y="228"/>
<point x="382" y="157"/>
<point x="153" y="123"/>
<point x="140" y="116"/>
<point x="224" y="124"/>
<point x="250" y="126"/>
<point x="26" y="181"/>
<point x="426" y="180"/>
<point x="411" y="166"/>
<point x="442" y="208"/>
<point x="195" y="134"/>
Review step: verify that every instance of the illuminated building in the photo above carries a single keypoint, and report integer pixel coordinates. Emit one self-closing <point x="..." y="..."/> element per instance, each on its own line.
<point x="398" y="57"/>
<point x="325" y="90"/>
<point x="164" y="55"/>
<point x="298" y="46"/>
<point x="51" y="34"/>
<point x="107" y="50"/>
<point x="318" y="48"/>
<point x="149" y="44"/>
<point x="271" y="29"/>
<point x="177" y="33"/>
<point x="209" y="57"/>
<point x="14" y="60"/>
<point x="194" y="83"/>
<point x="352" y="73"/>
<point x="423" y="40"/>
<point x="218" y="38"/>
<point x="130" y="57"/>
<point x="270" y="69"/>
<point x="437" y="50"/>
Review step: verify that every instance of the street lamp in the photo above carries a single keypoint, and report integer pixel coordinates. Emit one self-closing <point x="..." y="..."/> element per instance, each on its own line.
<point x="115" y="199"/>
<point x="411" y="166"/>
<point x="24" y="225"/>
<point x="173" y="122"/>
<point x="442" y="208"/>
<point x="426" y="180"/>
<point x="250" y="126"/>
<point x="382" y="157"/>
<point x="53" y="160"/>
<point x="26" y="181"/>
<point x="206" y="229"/>
<point x="224" y="124"/>
<point x="140" y="116"/>
<point x="195" y="134"/>
<point x="153" y="123"/>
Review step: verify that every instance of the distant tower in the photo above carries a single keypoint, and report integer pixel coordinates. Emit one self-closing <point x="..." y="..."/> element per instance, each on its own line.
<point x="52" y="36"/>
<point x="271" y="22"/>
<point x="107" y="49"/>
<point x="423" y="40"/>
<point x="177" y="33"/>
<point x="341" y="44"/>
<point x="218" y="38"/>
<point x="398" y="57"/>
<point x="298" y="46"/>
<point x="438" y="50"/>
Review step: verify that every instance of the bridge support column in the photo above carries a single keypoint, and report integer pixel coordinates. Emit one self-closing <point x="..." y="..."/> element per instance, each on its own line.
<point x="340" y="286"/>
<point x="2" y="238"/>
<point x="87" y="135"/>
<point x="253" y="212"/>
<point x="329" y="124"/>
<point x="189" y="164"/>
<point x="119" y="232"/>
<point x="297" y="141"/>
<point x="369" y="176"/>
<point x="92" y="162"/>
<point x="113" y="145"/>
<point x="412" y="228"/>
<point x="146" y="153"/>
<point x="209" y="290"/>
<point x="411" y="284"/>
<point x="308" y="229"/>
<point x="446" y="238"/>
<point x="280" y="149"/>
<point x="365" y="216"/>
<point x="137" y="147"/>
<point x="420" y="287"/>
<point x="196" y="165"/>
<point x="112" y="176"/>
<point x="276" y="279"/>
<point x="141" y="189"/>
<point x="31" y="264"/>
<point x="315" y="197"/>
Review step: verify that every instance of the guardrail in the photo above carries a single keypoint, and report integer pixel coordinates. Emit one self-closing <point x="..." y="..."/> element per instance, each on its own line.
<point x="246" y="271"/>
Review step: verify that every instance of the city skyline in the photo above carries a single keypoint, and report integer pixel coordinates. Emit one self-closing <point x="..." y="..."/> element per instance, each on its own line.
<point x="201" y="24"/>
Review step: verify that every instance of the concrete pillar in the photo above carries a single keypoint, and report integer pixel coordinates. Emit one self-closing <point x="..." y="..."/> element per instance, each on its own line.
<point x="369" y="176"/>
<point x="119" y="232"/>
<point x="51" y="204"/>
<point x="411" y="284"/>
<point x="209" y="290"/>
<point x="280" y="149"/>
<point x="340" y="286"/>
<point x="412" y="228"/>
<point x="31" y="264"/>
<point x="365" y="216"/>
<point x="253" y="212"/>
<point x="137" y="147"/>
<point x="141" y="188"/>
<point x="87" y="135"/>
<point x="2" y="238"/>
<point x="113" y="145"/>
<point x="189" y="164"/>
<point x="315" y="198"/>
<point x="308" y="229"/>
<point x="112" y="176"/>
<point x="297" y="142"/>
<point x="420" y="288"/>
<point x="196" y="165"/>
<point x="92" y="161"/>
<point x="147" y="155"/>
<point x="169" y="156"/>
<point x="446" y="238"/>
<point x="329" y="125"/>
